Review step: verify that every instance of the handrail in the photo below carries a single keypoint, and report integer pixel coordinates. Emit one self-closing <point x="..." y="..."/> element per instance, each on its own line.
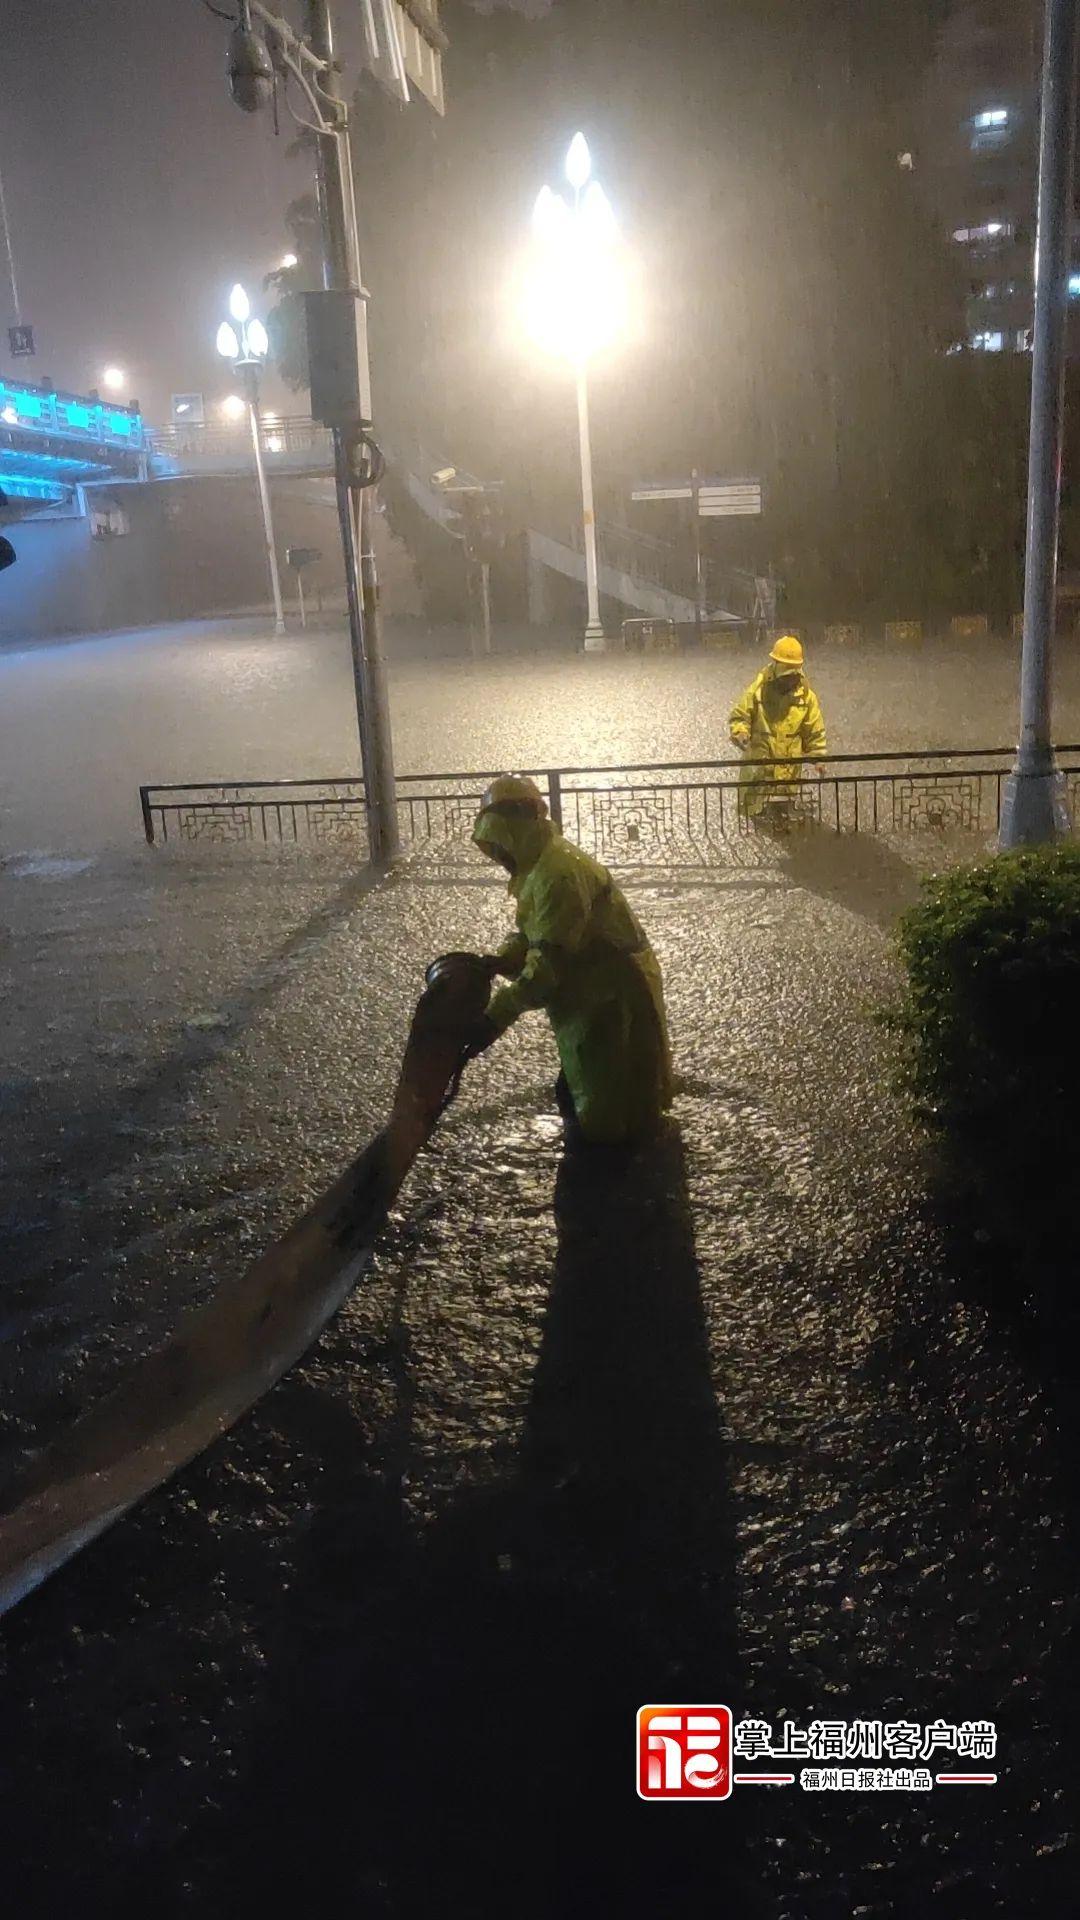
<point x="630" y="766"/>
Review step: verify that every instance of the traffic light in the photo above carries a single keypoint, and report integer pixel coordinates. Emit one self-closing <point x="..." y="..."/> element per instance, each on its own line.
<point x="484" y="524"/>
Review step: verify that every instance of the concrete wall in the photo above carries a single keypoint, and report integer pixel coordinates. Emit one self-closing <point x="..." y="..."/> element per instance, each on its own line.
<point x="195" y="548"/>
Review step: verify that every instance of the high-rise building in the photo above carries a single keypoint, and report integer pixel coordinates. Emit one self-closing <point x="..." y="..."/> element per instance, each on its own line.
<point x="978" y="161"/>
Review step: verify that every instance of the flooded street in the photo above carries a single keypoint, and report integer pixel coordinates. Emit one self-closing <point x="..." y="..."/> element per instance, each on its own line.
<point x="84" y="723"/>
<point x="739" y="1422"/>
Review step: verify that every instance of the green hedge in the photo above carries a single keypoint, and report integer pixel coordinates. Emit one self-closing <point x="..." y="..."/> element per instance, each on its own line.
<point x="991" y="1014"/>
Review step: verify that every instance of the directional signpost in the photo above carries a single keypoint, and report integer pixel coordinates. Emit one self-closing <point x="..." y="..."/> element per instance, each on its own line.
<point x="713" y="500"/>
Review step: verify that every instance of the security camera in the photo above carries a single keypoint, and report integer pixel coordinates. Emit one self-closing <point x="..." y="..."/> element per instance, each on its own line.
<point x="444" y="477"/>
<point x="250" y="70"/>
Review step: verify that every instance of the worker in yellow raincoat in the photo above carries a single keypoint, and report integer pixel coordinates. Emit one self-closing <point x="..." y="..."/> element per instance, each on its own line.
<point x="776" y="724"/>
<point x="580" y="953"/>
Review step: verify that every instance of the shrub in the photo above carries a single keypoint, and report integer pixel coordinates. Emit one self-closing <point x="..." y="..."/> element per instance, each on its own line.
<point x="991" y="1017"/>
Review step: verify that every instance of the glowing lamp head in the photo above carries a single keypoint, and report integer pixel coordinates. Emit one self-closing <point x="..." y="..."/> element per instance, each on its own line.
<point x="598" y="215"/>
<point x="233" y="407"/>
<point x="257" y="339"/>
<point x="287" y="262"/>
<point x="239" y="304"/>
<point x="577" y="294"/>
<point x="578" y="162"/>
<point x="550" y="215"/>
<point x="227" y="343"/>
<point x="114" y="378"/>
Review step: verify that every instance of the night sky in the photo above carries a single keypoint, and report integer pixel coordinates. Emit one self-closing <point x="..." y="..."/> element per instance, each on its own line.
<point x="136" y="192"/>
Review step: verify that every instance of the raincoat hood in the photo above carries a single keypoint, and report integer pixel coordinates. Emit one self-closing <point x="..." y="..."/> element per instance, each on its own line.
<point x="520" y="834"/>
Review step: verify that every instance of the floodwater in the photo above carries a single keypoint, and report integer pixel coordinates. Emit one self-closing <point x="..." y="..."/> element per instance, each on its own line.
<point x="83" y="723"/>
<point x="741" y="1422"/>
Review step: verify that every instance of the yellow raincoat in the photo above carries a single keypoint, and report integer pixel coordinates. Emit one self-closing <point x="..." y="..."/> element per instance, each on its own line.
<point x="776" y="731"/>
<point x="580" y="953"/>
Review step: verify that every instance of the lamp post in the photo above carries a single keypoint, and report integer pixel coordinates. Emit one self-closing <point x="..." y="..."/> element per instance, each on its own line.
<point x="1033" y="807"/>
<point x="247" y="350"/>
<point x="576" y="297"/>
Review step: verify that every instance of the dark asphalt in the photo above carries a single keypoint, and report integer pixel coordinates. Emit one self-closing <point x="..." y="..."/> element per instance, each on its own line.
<point x="737" y="1422"/>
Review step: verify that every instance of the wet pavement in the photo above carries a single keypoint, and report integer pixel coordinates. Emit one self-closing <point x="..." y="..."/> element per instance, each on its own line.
<point x="739" y="1421"/>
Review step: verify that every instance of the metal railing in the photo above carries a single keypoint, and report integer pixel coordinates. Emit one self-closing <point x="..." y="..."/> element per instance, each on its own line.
<point x="666" y="814"/>
<point x="222" y="439"/>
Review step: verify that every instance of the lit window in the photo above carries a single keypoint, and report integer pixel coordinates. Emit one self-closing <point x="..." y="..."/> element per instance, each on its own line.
<point x="988" y="342"/>
<point x="990" y="230"/>
<point x="993" y="117"/>
<point x="1074" y="284"/>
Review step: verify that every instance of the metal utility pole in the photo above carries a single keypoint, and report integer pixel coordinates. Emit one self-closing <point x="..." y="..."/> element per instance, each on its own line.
<point x="341" y="272"/>
<point x="10" y="251"/>
<point x="1034" y="804"/>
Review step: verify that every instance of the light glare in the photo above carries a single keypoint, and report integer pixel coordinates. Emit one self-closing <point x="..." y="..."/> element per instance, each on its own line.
<point x="114" y="378"/>
<point x="233" y="407"/>
<point x="227" y="343"/>
<point x="578" y="162"/>
<point x="258" y="339"/>
<point x="239" y="304"/>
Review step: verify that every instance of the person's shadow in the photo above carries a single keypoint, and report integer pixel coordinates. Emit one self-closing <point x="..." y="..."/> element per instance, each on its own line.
<point x="451" y="1723"/>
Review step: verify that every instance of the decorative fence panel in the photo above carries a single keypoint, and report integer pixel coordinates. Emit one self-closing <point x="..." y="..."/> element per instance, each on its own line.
<point x="697" y="814"/>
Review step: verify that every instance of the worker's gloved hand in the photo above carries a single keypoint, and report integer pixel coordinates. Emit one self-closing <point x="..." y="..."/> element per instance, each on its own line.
<point x="479" y="1038"/>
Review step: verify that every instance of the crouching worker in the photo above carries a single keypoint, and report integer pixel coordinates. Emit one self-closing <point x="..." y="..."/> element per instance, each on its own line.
<point x="579" y="953"/>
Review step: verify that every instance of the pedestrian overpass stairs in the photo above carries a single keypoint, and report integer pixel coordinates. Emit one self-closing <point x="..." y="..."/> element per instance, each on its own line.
<point x="647" y="577"/>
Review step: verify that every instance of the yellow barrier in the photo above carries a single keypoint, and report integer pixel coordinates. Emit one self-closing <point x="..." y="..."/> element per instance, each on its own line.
<point x="650" y="636"/>
<point x="904" y="632"/>
<point x="969" y="626"/>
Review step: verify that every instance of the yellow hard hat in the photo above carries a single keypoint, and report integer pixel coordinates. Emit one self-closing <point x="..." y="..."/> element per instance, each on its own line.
<point x="787" y="651"/>
<point x="512" y="793"/>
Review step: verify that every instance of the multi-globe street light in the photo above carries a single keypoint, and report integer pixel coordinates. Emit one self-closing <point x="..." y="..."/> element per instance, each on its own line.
<point x="247" y="349"/>
<point x="576" y="306"/>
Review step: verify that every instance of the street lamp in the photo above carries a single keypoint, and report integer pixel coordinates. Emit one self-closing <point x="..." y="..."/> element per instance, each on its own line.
<point x="1033" y="804"/>
<point x="115" y="379"/>
<point x="576" y="306"/>
<point x="247" y="349"/>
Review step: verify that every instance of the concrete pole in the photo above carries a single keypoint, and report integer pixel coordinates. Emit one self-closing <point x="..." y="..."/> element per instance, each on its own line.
<point x="341" y="270"/>
<point x="1033" y="809"/>
<point x="252" y="380"/>
<point x="594" y="632"/>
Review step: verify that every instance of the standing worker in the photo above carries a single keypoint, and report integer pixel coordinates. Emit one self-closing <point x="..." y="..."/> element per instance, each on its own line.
<point x="580" y="953"/>
<point x="776" y="724"/>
